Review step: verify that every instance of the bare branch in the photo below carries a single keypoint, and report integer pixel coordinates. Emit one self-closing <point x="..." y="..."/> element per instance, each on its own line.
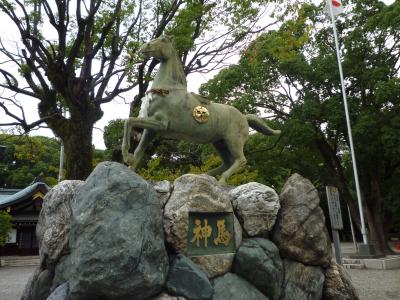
<point x="19" y="121"/>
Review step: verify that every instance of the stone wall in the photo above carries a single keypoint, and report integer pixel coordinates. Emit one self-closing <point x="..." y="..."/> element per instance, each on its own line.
<point x="116" y="236"/>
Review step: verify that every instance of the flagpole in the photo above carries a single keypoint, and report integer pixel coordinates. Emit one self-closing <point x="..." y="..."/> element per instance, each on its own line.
<point x="61" y="165"/>
<point x="60" y="168"/>
<point x="353" y="156"/>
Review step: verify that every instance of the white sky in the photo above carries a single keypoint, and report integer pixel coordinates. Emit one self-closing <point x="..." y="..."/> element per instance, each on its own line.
<point x="112" y="110"/>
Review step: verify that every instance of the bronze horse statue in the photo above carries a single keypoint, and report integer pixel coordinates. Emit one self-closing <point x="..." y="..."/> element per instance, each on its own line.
<point x="170" y="111"/>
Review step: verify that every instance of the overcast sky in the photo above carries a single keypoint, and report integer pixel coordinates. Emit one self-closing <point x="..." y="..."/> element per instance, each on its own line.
<point x="113" y="110"/>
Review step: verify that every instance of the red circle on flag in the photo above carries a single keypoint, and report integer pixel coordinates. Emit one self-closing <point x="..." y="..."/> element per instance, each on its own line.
<point x="336" y="3"/>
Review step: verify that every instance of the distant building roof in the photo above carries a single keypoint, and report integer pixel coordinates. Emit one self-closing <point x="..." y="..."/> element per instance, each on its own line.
<point x="10" y="197"/>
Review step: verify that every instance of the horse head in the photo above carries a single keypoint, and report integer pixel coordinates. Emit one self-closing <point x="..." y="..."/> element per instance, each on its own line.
<point x="160" y="48"/>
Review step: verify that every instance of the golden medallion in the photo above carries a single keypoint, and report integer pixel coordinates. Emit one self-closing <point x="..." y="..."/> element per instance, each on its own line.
<point x="201" y="114"/>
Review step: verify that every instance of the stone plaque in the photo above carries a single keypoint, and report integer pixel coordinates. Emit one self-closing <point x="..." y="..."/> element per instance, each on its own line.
<point x="335" y="212"/>
<point x="210" y="233"/>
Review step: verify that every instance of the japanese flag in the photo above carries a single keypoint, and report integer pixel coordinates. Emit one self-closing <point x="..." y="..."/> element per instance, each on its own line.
<point x="337" y="7"/>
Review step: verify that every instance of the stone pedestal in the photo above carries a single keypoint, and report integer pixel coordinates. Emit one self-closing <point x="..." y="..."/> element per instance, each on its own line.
<point x="105" y="239"/>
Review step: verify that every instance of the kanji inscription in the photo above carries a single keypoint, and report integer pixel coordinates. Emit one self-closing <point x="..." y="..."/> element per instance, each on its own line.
<point x="210" y="233"/>
<point x="335" y="212"/>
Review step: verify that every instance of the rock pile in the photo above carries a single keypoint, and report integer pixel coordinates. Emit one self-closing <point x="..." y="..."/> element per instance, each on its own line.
<point x="116" y="236"/>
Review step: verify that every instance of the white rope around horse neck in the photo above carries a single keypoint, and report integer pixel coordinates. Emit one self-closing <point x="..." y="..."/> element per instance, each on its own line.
<point x="144" y="107"/>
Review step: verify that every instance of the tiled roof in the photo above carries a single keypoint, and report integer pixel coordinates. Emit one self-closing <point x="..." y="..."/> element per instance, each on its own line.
<point x="10" y="196"/>
<point x="5" y="193"/>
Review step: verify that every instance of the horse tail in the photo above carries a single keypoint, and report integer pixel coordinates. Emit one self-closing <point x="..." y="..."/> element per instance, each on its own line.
<point x="257" y="124"/>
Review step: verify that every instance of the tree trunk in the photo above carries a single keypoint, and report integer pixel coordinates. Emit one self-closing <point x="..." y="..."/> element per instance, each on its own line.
<point x="373" y="204"/>
<point x="377" y="233"/>
<point x="78" y="150"/>
<point x="74" y="131"/>
<point x="334" y="165"/>
<point x="375" y="216"/>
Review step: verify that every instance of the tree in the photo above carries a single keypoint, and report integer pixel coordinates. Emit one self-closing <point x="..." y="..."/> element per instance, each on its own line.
<point x="75" y="56"/>
<point x="26" y="158"/>
<point x="112" y="135"/>
<point x="5" y="227"/>
<point x="291" y="74"/>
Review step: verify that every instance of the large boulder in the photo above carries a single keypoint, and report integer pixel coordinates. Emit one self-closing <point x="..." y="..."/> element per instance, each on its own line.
<point x="186" y="279"/>
<point x="233" y="287"/>
<point x="300" y="231"/>
<point x="302" y="282"/>
<point x="62" y="272"/>
<point x="60" y="293"/>
<point x="54" y="221"/>
<point x="165" y="296"/>
<point x="42" y="285"/>
<point x="257" y="206"/>
<point x="338" y="285"/>
<point x="116" y="237"/>
<point x="31" y="285"/>
<point x="200" y="194"/>
<point x="258" y="261"/>
<point x="163" y="189"/>
<point x="52" y="231"/>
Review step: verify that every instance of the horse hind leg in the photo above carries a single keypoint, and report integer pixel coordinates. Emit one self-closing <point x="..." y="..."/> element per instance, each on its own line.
<point x="235" y="148"/>
<point x="223" y="152"/>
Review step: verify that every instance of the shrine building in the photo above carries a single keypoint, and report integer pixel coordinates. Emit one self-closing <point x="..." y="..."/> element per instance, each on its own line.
<point x="24" y="207"/>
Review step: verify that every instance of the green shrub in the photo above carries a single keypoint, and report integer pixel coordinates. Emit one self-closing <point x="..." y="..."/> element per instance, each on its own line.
<point x="5" y="227"/>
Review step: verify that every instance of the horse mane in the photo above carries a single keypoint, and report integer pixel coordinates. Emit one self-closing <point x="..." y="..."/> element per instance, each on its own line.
<point x="179" y="75"/>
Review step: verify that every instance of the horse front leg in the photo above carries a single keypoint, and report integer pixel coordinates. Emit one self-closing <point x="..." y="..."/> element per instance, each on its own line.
<point x="147" y="137"/>
<point x="126" y="144"/>
<point x="150" y="125"/>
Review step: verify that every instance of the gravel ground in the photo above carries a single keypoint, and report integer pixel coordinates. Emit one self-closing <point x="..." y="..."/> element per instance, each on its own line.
<point x="13" y="280"/>
<point x="371" y="284"/>
<point x="376" y="284"/>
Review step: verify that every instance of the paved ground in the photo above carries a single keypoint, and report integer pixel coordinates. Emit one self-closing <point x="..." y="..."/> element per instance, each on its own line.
<point x="376" y="284"/>
<point x="371" y="284"/>
<point x="13" y="280"/>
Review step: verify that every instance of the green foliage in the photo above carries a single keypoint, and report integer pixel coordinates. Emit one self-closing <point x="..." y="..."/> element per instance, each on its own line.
<point x="153" y="171"/>
<point x="213" y="161"/>
<point x="25" y="70"/>
<point x="99" y="156"/>
<point x="113" y="133"/>
<point x="185" y="25"/>
<point x="291" y="75"/>
<point x="26" y="158"/>
<point x="5" y="227"/>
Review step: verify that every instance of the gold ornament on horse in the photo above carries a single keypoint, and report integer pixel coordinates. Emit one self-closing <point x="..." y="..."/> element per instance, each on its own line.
<point x="201" y="114"/>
